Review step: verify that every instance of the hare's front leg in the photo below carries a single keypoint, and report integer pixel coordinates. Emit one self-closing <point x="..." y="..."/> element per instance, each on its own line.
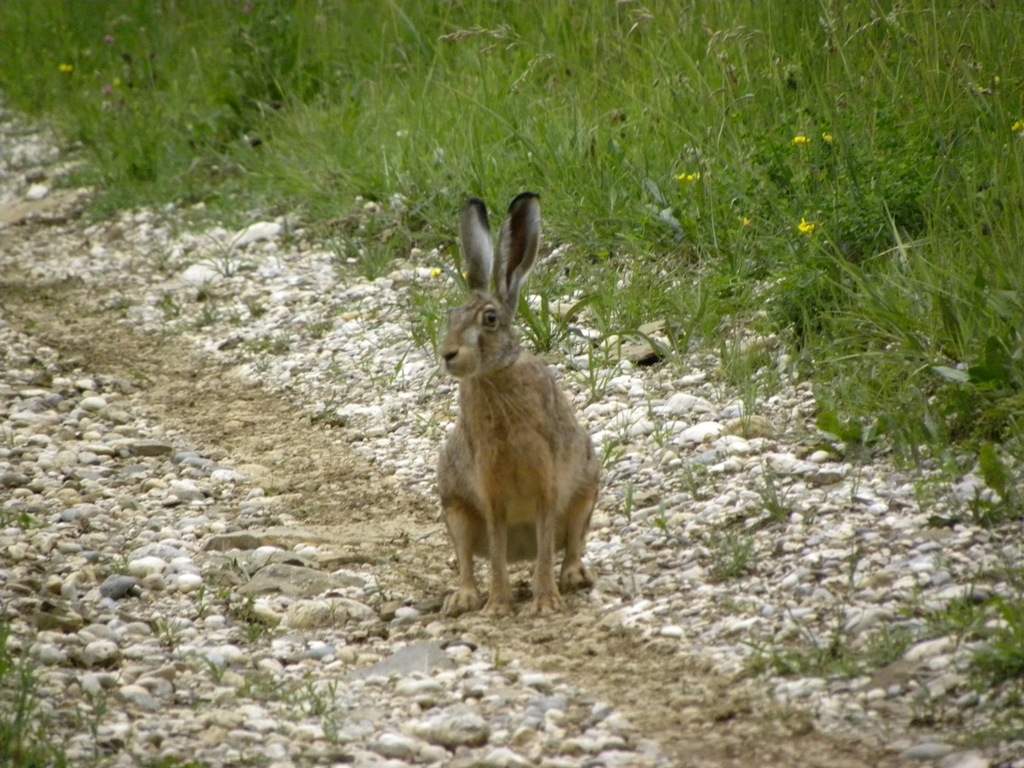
<point x="499" y="602"/>
<point x="545" y="592"/>
<point x="574" y="575"/>
<point x="463" y="525"/>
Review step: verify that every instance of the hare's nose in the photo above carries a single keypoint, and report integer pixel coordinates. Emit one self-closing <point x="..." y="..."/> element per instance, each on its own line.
<point x="450" y="355"/>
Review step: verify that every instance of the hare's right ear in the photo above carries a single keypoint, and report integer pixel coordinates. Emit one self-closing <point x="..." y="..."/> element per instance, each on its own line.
<point x="477" y="250"/>
<point x="518" y="242"/>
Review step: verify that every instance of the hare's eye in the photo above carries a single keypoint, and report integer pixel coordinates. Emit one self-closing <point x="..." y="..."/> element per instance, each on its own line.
<point x="490" y="317"/>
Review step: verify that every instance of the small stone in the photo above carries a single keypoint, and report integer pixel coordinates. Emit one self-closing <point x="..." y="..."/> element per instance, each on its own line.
<point x="140" y="697"/>
<point x="13" y="480"/>
<point x="702" y="432"/>
<point x="426" y="693"/>
<point x="100" y="653"/>
<point x="968" y="759"/>
<point x="453" y="728"/>
<point x="928" y="750"/>
<point x="50" y="655"/>
<point x="144" y="566"/>
<point x="329" y="612"/>
<point x="93" y="403"/>
<point x="119" y="586"/>
<point x="149" y="448"/>
<point x="261" y="230"/>
<point x="503" y="757"/>
<point x="188" y="582"/>
<point x="416" y="657"/>
<point x="37" y="192"/>
<point x="396" y="745"/>
<point x="200" y="275"/>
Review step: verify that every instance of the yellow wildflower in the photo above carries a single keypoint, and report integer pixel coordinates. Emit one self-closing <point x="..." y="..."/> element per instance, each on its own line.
<point x="435" y="272"/>
<point x="827" y="138"/>
<point x="688" y="177"/>
<point x="800" y="140"/>
<point x="1018" y="127"/>
<point x="805" y="227"/>
<point x="745" y="222"/>
<point x="66" y="69"/>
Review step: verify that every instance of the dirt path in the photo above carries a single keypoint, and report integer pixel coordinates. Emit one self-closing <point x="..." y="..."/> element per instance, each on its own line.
<point x="700" y="719"/>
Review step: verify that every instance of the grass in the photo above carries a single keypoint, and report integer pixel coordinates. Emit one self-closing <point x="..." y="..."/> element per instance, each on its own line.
<point x="24" y="730"/>
<point x="848" y="176"/>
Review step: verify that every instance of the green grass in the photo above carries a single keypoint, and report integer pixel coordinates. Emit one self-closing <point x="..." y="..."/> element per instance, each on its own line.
<point x="849" y="176"/>
<point x="24" y="729"/>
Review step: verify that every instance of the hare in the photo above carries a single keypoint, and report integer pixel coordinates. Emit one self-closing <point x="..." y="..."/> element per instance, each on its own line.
<point x="518" y="476"/>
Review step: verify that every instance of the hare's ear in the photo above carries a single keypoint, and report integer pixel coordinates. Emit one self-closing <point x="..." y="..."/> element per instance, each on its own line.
<point x="517" y="248"/>
<point x="477" y="250"/>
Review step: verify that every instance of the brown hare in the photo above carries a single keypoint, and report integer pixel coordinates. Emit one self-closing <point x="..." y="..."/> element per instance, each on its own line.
<point x="518" y="476"/>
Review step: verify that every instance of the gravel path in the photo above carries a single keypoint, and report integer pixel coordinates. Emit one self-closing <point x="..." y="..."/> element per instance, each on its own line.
<point x="219" y="542"/>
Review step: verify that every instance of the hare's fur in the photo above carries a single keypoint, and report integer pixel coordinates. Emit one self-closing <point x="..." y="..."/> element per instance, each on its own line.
<point x="518" y="476"/>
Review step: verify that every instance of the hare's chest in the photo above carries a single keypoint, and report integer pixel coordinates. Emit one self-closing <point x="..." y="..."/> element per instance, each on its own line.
<point x="521" y="489"/>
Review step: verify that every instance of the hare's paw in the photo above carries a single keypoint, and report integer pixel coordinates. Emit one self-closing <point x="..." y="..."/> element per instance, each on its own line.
<point x="575" y="577"/>
<point x="462" y="600"/>
<point x="499" y="608"/>
<point x="544" y="604"/>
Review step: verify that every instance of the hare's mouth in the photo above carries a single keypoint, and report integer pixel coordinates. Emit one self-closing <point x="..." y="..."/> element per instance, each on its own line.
<point x="456" y="365"/>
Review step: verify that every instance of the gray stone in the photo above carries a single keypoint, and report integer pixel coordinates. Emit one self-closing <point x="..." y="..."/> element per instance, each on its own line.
<point x="928" y="750"/>
<point x="13" y="480"/>
<point x="503" y="757"/>
<point x="417" y="657"/>
<point x="163" y="551"/>
<point x="100" y="653"/>
<point x="290" y="580"/>
<point x="396" y="745"/>
<point x="118" y="586"/>
<point x="969" y="759"/>
<point x="222" y="542"/>
<point x="149" y="448"/>
<point x="454" y="727"/>
<point x="326" y="612"/>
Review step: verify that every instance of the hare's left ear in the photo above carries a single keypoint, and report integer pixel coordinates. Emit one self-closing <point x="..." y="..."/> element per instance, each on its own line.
<point x="477" y="251"/>
<point x="517" y="249"/>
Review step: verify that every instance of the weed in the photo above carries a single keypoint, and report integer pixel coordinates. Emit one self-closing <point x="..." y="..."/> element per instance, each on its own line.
<point x="612" y="451"/>
<point x="256" y="308"/>
<point x="695" y="479"/>
<point x="833" y="653"/>
<point x="733" y="555"/>
<point x="243" y="612"/>
<point x="773" y="498"/>
<point x="225" y="262"/>
<point x="427" y="315"/>
<point x="207" y="316"/>
<point x="276" y="344"/>
<point x="627" y="502"/>
<point x="597" y="373"/>
<point x="24" y="729"/>
<point x="169" y="305"/>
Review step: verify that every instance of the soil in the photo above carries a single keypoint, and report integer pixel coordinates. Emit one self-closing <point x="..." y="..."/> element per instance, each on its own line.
<point x="699" y="718"/>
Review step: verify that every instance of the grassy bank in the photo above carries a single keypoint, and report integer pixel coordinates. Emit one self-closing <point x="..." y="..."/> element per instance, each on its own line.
<point x="847" y="176"/>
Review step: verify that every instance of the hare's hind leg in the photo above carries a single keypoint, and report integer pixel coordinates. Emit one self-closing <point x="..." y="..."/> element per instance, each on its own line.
<point x="465" y="528"/>
<point x="574" y="574"/>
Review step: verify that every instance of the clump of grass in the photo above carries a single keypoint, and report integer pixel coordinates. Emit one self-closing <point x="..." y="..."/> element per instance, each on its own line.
<point x="24" y="730"/>
<point x="733" y="555"/>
